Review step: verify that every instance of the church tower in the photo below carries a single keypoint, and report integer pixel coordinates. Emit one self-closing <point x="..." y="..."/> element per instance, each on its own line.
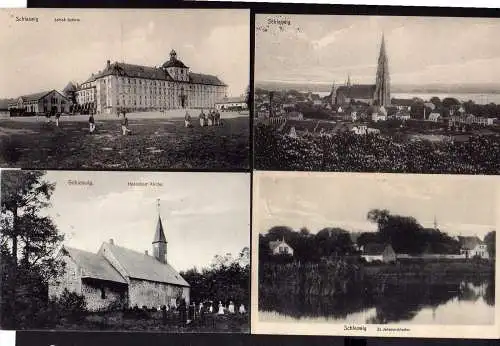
<point x="160" y="241"/>
<point x="382" y="95"/>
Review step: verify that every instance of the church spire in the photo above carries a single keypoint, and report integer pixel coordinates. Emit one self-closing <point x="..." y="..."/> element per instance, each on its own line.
<point x="382" y="81"/>
<point x="160" y="241"/>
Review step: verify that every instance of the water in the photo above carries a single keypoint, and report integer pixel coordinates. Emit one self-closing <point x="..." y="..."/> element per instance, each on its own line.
<point x="451" y="303"/>
<point x="463" y="97"/>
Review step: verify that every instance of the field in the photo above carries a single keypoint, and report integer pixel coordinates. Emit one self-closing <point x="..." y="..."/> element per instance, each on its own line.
<point x="156" y="142"/>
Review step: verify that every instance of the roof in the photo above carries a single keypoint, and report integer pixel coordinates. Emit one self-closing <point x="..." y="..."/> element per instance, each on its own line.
<point x="159" y="234"/>
<point x="274" y="244"/>
<point x="132" y="70"/>
<point x="36" y="96"/>
<point x="238" y="99"/>
<point x="94" y="266"/>
<point x="140" y="71"/>
<point x="358" y="91"/>
<point x="374" y="249"/>
<point x="469" y="243"/>
<point x="174" y="63"/>
<point x="200" y="78"/>
<point x="141" y="266"/>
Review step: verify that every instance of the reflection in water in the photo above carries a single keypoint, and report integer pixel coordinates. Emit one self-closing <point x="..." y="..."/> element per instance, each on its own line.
<point x="460" y="302"/>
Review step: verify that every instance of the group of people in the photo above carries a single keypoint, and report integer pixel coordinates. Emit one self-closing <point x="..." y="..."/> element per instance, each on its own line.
<point x="53" y="113"/>
<point x="189" y="312"/>
<point x="124" y="123"/>
<point x="212" y="118"/>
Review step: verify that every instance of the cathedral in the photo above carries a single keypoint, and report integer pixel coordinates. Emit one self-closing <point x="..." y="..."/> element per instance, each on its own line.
<point x="143" y="88"/>
<point x="378" y="94"/>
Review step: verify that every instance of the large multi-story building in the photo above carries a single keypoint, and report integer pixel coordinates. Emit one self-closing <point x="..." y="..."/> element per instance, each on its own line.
<point x="143" y="88"/>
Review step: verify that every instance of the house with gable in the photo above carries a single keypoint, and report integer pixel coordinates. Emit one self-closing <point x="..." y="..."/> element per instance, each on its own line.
<point x="119" y="276"/>
<point x="378" y="252"/>
<point x="280" y="247"/>
<point x="473" y="247"/>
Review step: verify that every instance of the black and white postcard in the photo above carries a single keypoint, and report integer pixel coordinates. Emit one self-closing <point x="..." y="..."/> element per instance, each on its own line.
<point x="375" y="255"/>
<point x="124" y="89"/>
<point x="377" y="94"/>
<point x="156" y="252"/>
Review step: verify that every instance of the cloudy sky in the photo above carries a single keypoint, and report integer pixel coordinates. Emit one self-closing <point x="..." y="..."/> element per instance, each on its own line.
<point x="326" y="48"/>
<point x="466" y="205"/>
<point x="46" y="55"/>
<point x="203" y="214"/>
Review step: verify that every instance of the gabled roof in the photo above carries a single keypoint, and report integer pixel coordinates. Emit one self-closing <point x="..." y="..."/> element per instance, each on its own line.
<point x="36" y="96"/>
<point x="469" y="243"/>
<point x="93" y="265"/>
<point x="141" y="266"/>
<point x="159" y="234"/>
<point x="274" y="244"/>
<point x="358" y="91"/>
<point x="200" y="78"/>
<point x="374" y="249"/>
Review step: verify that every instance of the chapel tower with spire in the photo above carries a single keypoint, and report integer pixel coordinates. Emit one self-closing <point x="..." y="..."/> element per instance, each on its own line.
<point x="160" y="241"/>
<point x="382" y="95"/>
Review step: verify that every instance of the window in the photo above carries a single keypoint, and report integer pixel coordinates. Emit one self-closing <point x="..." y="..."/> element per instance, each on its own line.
<point x="103" y="293"/>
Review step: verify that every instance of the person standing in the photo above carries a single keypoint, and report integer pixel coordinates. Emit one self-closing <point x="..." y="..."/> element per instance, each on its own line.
<point x="217" y="117"/>
<point x="221" y="309"/>
<point x="202" y="118"/>
<point x="242" y="309"/>
<point x="125" y="129"/>
<point x="231" y="308"/>
<point x="58" y="115"/>
<point x="91" y="123"/>
<point x="187" y="120"/>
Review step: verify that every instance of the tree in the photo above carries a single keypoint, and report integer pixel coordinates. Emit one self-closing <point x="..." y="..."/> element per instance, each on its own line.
<point x="449" y="102"/>
<point x="28" y="241"/>
<point x="490" y="240"/>
<point x="436" y="101"/>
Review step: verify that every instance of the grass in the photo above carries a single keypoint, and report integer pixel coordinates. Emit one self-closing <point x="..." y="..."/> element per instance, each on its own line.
<point x="119" y="321"/>
<point x="154" y="144"/>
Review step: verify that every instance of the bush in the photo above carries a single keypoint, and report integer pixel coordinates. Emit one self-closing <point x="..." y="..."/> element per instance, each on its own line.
<point x="70" y="305"/>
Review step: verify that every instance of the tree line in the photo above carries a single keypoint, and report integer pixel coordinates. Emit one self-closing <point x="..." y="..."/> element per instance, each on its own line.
<point x="404" y="233"/>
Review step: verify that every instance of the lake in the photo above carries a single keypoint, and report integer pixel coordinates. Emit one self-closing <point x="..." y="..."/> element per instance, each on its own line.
<point x="460" y="302"/>
<point x="463" y="97"/>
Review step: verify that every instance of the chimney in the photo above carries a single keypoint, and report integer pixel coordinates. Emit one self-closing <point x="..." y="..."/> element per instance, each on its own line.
<point x="108" y="63"/>
<point x="146" y="252"/>
<point x="111" y="241"/>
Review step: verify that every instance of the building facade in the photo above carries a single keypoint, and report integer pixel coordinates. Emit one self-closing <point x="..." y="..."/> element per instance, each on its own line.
<point x="42" y="102"/>
<point x="280" y="247"/>
<point x="117" y="276"/>
<point x="231" y="103"/>
<point x="142" y="88"/>
<point x="378" y="94"/>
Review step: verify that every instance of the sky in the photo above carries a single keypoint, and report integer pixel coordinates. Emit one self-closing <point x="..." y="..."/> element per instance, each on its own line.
<point x="203" y="214"/>
<point x="44" y="55"/>
<point x="462" y="205"/>
<point x="421" y="50"/>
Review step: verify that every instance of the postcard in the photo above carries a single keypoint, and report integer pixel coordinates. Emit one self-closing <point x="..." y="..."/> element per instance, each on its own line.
<point x="156" y="252"/>
<point x="375" y="255"/>
<point x="124" y="89"/>
<point x="390" y="94"/>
